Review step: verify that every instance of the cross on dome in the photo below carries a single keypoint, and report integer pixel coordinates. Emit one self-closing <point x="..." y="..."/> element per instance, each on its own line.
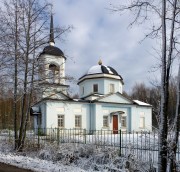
<point x="100" y="62"/>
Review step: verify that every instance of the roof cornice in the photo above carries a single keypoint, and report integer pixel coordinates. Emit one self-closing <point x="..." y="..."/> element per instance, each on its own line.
<point x="100" y="75"/>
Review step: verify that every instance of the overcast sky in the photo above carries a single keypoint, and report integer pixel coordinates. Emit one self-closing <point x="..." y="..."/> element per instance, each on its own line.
<point x="100" y="34"/>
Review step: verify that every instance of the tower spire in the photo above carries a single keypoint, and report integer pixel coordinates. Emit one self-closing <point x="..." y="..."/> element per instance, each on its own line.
<point x="51" y="36"/>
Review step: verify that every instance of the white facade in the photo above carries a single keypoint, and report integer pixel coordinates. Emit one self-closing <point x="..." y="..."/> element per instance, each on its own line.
<point x="101" y="106"/>
<point x="114" y="108"/>
<point x="86" y="87"/>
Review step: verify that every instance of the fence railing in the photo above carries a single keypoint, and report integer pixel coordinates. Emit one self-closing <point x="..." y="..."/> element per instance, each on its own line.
<point x="144" y="145"/>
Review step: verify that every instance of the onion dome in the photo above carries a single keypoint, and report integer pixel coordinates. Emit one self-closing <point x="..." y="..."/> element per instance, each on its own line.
<point x="52" y="50"/>
<point x="97" y="69"/>
<point x="101" y="71"/>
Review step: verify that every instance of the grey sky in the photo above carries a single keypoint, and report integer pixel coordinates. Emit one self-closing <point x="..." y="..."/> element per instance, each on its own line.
<point x="99" y="33"/>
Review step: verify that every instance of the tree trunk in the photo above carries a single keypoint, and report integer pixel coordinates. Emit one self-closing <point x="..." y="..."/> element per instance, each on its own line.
<point x="25" y="105"/>
<point x="15" y="78"/>
<point x="162" y="154"/>
<point x="172" y="166"/>
<point x="30" y="94"/>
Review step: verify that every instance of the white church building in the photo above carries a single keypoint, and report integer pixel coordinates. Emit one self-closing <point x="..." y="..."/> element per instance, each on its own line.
<point x="101" y="105"/>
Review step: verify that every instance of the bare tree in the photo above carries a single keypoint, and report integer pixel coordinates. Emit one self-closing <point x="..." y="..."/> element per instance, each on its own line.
<point x="174" y="140"/>
<point x="167" y="29"/>
<point x="24" y="32"/>
<point x="140" y="92"/>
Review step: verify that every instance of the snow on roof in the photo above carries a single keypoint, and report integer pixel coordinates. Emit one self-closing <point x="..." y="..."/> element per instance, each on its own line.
<point x="76" y="100"/>
<point x="141" y="103"/>
<point x="95" y="69"/>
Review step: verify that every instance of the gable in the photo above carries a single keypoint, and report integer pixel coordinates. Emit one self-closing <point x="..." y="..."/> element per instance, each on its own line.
<point x="58" y="95"/>
<point x="92" y="96"/>
<point x="115" y="98"/>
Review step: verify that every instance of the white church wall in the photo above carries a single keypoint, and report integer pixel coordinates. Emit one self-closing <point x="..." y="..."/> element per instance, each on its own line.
<point x="69" y="110"/>
<point x="92" y="116"/>
<point x="88" y="86"/>
<point x="117" y="85"/>
<point x="99" y="119"/>
<point x="107" y="110"/>
<point x="141" y="118"/>
<point x="132" y="113"/>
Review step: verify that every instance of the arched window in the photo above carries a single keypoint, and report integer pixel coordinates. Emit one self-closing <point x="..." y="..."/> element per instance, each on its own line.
<point x="53" y="73"/>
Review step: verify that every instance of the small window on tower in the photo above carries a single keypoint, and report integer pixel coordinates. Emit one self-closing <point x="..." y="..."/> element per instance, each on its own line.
<point x="82" y="90"/>
<point x="95" y="88"/>
<point x="111" y="88"/>
<point x="120" y="89"/>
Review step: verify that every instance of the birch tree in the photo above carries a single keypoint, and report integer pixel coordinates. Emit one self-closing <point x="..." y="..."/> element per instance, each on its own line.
<point x="25" y="30"/>
<point x="174" y="139"/>
<point x="165" y="30"/>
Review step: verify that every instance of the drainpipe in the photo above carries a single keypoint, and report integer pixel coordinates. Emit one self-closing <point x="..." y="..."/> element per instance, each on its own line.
<point x="90" y="115"/>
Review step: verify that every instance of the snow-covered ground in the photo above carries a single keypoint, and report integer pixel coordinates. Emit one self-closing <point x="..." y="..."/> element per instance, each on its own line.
<point x="78" y="153"/>
<point x="30" y="160"/>
<point x="70" y="157"/>
<point x="36" y="164"/>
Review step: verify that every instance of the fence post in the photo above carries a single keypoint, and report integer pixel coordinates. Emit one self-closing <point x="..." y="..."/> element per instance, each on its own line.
<point x="38" y="137"/>
<point x="85" y="136"/>
<point x="119" y="142"/>
<point x="58" y="136"/>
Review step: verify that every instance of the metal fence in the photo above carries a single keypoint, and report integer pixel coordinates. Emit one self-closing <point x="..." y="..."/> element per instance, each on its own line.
<point x="144" y="145"/>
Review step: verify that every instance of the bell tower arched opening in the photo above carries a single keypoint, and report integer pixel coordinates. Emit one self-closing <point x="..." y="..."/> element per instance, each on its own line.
<point x="54" y="73"/>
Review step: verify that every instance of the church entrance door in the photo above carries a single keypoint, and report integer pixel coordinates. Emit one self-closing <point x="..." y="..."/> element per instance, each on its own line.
<point x="115" y="124"/>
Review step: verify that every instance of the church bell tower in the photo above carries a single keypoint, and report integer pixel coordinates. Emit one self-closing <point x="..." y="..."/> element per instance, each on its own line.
<point x="51" y="74"/>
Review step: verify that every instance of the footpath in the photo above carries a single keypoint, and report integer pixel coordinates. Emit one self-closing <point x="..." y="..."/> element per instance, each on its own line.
<point x="10" y="168"/>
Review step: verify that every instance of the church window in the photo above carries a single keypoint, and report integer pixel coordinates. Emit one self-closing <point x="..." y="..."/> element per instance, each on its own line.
<point x="95" y="88"/>
<point x="123" y="121"/>
<point x="53" y="73"/>
<point x="60" y="121"/>
<point x="120" y="89"/>
<point x="111" y="88"/>
<point x="142" y="122"/>
<point x="105" y="121"/>
<point x="82" y="90"/>
<point x="78" y="121"/>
